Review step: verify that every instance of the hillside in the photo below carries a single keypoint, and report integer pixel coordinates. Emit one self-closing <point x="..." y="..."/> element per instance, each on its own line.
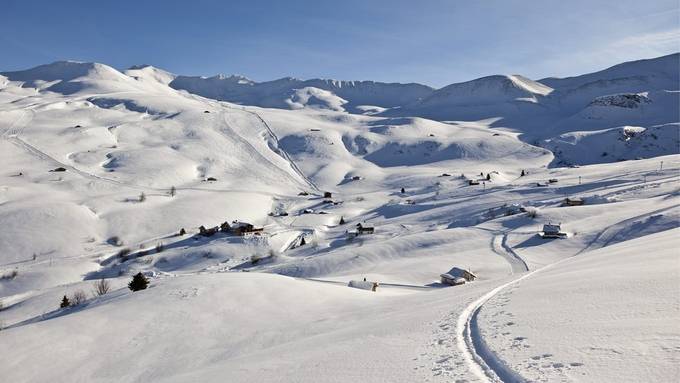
<point x="110" y="173"/>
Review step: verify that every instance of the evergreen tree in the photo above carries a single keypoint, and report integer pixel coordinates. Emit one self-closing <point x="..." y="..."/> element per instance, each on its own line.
<point x="65" y="302"/>
<point x="522" y="175"/>
<point x="488" y="176"/>
<point x="302" y="241"/>
<point x="403" y="191"/>
<point x="173" y="191"/>
<point x="342" y="220"/>
<point x="139" y="282"/>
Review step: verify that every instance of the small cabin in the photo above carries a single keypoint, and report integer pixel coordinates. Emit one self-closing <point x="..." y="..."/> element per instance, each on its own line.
<point x="356" y="178"/>
<point x="225" y="227"/>
<point x="364" y="285"/>
<point x="361" y="229"/>
<point x="473" y="182"/>
<point x="244" y="228"/>
<point x="553" y="231"/>
<point x="457" y="276"/>
<point x="327" y="195"/>
<point x="303" y="193"/>
<point x="576" y="201"/>
<point x="552" y="180"/>
<point x="208" y="232"/>
<point x="541" y="184"/>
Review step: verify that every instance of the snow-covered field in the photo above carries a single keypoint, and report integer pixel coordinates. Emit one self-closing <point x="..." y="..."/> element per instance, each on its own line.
<point x="101" y="169"/>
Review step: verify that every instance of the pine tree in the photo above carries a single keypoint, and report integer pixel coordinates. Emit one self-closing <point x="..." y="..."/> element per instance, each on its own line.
<point x="65" y="302"/>
<point x="139" y="282"/>
<point x="403" y="191"/>
<point x="342" y="220"/>
<point x="142" y="197"/>
<point x="302" y="241"/>
<point x="522" y="175"/>
<point x="488" y="176"/>
<point x="173" y="191"/>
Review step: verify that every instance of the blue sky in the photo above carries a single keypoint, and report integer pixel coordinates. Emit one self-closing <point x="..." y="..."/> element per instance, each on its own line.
<point x="428" y="41"/>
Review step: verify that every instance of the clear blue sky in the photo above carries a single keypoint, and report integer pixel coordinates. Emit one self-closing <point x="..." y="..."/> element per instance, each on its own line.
<point x="427" y="41"/>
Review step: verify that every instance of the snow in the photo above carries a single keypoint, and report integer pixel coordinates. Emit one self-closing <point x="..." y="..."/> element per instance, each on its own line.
<point x="598" y="305"/>
<point x="626" y="334"/>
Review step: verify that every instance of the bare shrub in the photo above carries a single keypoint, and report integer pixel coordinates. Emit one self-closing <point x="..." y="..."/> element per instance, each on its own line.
<point x="78" y="298"/>
<point x="142" y="197"/>
<point x="101" y="287"/>
<point x="532" y="212"/>
<point x="145" y="260"/>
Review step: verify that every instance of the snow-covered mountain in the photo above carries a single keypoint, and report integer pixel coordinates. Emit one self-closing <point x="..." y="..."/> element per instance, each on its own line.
<point x="540" y="110"/>
<point x="108" y="173"/>
<point x="277" y="93"/>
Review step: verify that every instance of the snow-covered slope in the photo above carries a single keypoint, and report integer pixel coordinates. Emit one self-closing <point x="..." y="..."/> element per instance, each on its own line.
<point x="615" y="144"/>
<point x="486" y="97"/>
<point x="101" y="170"/>
<point x="622" y="335"/>
<point x="657" y="73"/>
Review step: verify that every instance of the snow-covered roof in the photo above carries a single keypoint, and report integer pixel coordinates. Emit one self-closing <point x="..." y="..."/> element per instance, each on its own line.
<point x="456" y="272"/>
<point x="239" y="224"/>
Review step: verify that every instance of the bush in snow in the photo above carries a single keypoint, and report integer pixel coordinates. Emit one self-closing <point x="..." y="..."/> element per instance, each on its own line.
<point x="532" y="212"/>
<point x="64" y="302"/>
<point x="10" y="275"/>
<point x="173" y="191"/>
<point x="142" y="197"/>
<point x="101" y="287"/>
<point x="78" y="297"/>
<point x="139" y="282"/>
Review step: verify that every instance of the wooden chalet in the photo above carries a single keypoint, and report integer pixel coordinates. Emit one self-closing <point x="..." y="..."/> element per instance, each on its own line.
<point x="361" y="229"/>
<point x="553" y="231"/>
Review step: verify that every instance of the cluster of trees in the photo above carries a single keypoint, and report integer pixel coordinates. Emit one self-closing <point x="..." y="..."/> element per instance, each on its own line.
<point x="101" y="287"/>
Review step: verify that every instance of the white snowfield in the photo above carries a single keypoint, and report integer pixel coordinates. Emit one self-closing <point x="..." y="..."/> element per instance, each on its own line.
<point x="101" y="169"/>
